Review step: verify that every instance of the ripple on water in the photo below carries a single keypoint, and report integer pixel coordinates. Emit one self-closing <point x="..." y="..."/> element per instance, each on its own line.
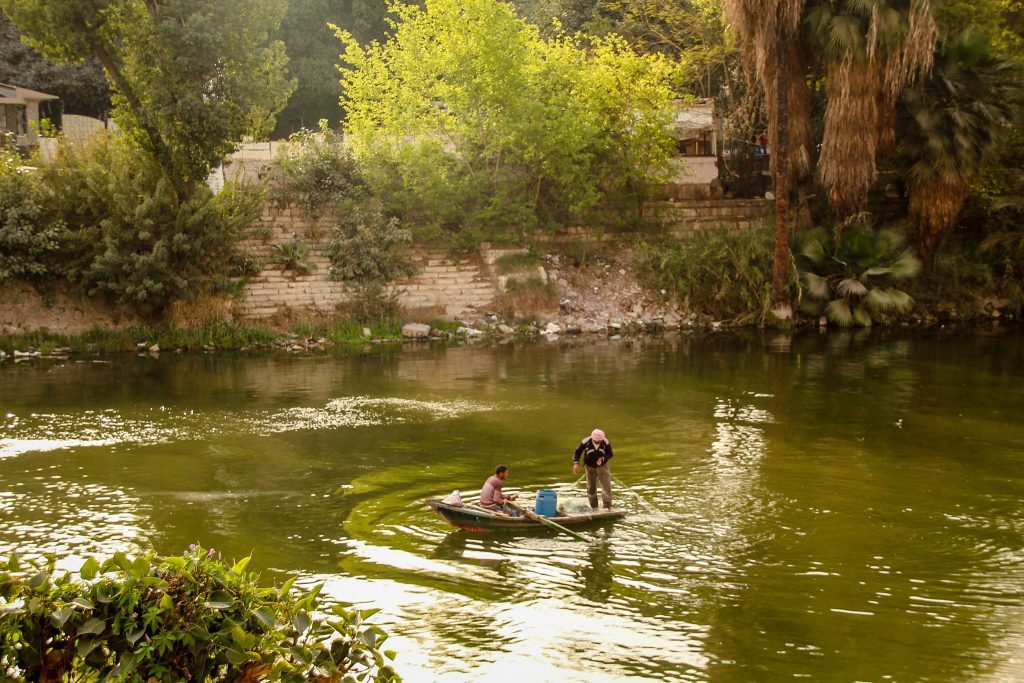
<point x="55" y="431"/>
<point x="103" y="521"/>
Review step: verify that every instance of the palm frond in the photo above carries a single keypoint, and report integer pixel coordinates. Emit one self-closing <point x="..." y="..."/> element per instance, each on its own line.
<point x="817" y="286"/>
<point x="907" y="266"/>
<point x="838" y="311"/>
<point x="888" y="300"/>
<point x="813" y="250"/>
<point x="876" y="272"/>
<point x="851" y="287"/>
<point x="861" y="316"/>
<point x="812" y="307"/>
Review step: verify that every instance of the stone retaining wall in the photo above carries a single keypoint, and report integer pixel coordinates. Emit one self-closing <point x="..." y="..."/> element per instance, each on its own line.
<point x="685" y="217"/>
<point x="443" y="287"/>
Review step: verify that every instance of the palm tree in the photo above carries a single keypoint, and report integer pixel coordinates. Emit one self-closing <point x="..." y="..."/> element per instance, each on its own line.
<point x="870" y="50"/>
<point x="769" y="32"/>
<point x="957" y="118"/>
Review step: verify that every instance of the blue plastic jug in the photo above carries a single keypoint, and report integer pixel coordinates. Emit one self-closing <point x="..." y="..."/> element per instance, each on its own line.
<point x="547" y="503"/>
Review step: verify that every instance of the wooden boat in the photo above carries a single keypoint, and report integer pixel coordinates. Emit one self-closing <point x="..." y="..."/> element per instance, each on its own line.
<point x="475" y="518"/>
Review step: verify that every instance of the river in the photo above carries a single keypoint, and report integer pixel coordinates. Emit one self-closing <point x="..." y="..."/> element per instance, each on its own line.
<point x="840" y="506"/>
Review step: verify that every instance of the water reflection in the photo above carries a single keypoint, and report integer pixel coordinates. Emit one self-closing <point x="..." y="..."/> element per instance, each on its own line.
<point x="782" y="520"/>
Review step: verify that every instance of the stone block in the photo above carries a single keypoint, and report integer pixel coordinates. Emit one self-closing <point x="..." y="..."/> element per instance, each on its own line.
<point x="415" y="331"/>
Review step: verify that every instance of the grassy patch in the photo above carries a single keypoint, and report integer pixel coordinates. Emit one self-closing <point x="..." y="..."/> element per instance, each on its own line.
<point x="511" y="263"/>
<point x="223" y="336"/>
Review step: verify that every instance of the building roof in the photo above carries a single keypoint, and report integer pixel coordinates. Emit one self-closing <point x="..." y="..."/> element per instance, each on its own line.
<point x="694" y="116"/>
<point x="12" y="94"/>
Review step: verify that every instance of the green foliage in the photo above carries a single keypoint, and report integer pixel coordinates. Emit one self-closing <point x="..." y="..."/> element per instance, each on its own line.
<point x="555" y="16"/>
<point x="292" y="256"/>
<point x="27" y="239"/>
<point x="961" y="112"/>
<point x="313" y="55"/>
<point x="318" y="172"/>
<point x="129" y="236"/>
<point x="190" y="77"/>
<point x="82" y="88"/>
<point x="695" y="32"/>
<point x="467" y="118"/>
<point x="849" y="276"/>
<point x="368" y="246"/>
<point x="192" y="617"/>
<point x="512" y="262"/>
<point x="715" y="272"/>
<point x="372" y="302"/>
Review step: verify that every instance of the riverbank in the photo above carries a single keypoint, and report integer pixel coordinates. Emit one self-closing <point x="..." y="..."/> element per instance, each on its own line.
<point x="604" y="296"/>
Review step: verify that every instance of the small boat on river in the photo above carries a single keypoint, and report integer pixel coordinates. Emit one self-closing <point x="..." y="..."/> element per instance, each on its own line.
<point x="475" y="518"/>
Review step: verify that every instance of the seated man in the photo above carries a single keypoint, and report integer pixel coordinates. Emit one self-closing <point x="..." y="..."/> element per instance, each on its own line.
<point x="491" y="496"/>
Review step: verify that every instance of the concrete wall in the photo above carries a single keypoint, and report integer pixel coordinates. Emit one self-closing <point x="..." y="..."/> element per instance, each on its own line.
<point x="694" y="170"/>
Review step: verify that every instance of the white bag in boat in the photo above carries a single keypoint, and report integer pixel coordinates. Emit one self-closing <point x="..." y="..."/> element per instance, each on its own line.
<point x="453" y="498"/>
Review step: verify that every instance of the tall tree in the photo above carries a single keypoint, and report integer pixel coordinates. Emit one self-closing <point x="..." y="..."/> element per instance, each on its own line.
<point x="870" y="52"/>
<point x="467" y="94"/>
<point x="82" y="88"/>
<point x="956" y="120"/>
<point x="691" y="31"/>
<point x="313" y="55"/>
<point x="190" y="77"/>
<point x="769" y="35"/>
<point x="572" y="16"/>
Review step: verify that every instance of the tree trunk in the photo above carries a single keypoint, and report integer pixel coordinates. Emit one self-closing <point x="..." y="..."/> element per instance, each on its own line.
<point x="184" y="189"/>
<point x="780" y="271"/>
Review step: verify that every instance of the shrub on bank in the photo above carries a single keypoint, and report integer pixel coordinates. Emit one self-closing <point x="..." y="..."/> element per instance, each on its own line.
<point x="192" y="617"/>
<point x="126" y="234"/>
<point x="714" y="272"/>
<point x="27" y="239"/>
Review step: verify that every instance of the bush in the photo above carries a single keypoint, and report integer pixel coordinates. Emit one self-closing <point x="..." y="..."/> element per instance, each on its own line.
<point x="293" y="256"/>
<point x="128" y="236"/>
<point x="371" y="302"/>
<point x="27" y="237"/>
<point x="318" y="172"/>
<point x="715" y="272"/>
<point x="367" y="245"/>
<point x="850" y="274"/>
<point x="192" y="618"/>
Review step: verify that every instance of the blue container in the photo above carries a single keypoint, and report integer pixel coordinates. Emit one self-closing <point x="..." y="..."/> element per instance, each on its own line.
<point x="547" y="503"/>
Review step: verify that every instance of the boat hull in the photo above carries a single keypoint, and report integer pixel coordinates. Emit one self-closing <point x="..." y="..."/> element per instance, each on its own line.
<point x="473" y="519"/>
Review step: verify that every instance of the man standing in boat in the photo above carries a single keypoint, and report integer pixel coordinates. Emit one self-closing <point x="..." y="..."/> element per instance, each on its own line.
<point x="491" y="496"/>
<point x="596" y="451"/>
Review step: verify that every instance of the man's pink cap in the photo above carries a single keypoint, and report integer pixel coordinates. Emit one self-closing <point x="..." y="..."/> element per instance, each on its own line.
<point x="597" y="435"/>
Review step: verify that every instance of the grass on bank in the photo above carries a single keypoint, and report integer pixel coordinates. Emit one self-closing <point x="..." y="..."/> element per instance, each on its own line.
<point x="224" y="336"/>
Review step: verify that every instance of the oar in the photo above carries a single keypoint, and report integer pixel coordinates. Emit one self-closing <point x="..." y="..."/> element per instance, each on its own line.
<point x="550" y="523"/>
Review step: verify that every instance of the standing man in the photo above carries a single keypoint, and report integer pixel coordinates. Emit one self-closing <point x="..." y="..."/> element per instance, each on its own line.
<point x="491" y="496"/>
<point x="596" y="451"/>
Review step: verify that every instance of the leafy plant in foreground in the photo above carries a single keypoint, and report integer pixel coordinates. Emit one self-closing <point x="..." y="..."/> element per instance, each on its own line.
<point x="192" y="617"/>
<point x="850" y="276"/>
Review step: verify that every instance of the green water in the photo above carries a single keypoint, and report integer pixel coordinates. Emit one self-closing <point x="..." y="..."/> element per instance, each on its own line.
<point x="838" y="507"/>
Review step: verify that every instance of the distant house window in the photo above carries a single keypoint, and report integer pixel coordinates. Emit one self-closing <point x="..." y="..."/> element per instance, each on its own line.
<point x="699" y="146"/>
